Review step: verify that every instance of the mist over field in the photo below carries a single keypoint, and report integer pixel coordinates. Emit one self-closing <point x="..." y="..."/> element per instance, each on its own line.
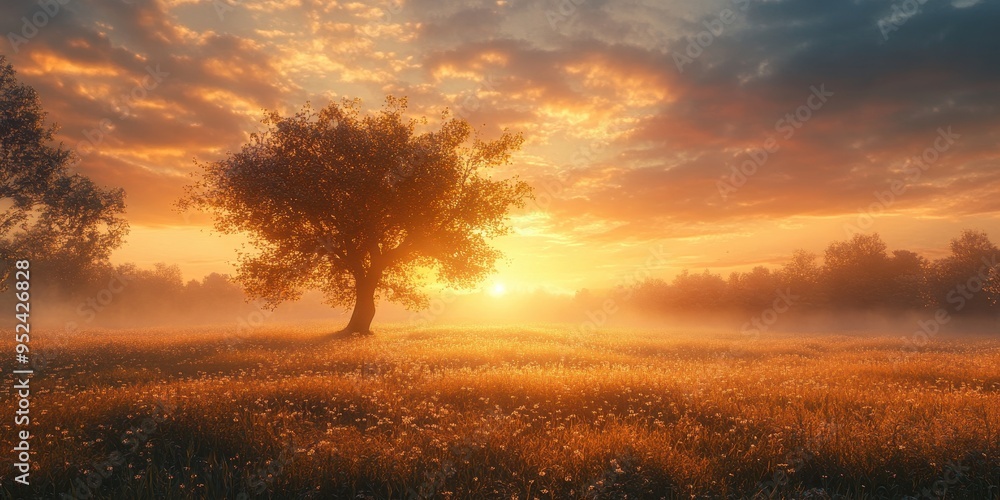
<point x="858" y="286"/>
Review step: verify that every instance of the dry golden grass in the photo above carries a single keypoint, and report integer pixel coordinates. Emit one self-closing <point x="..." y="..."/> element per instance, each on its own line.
<point x="532" y="412"/>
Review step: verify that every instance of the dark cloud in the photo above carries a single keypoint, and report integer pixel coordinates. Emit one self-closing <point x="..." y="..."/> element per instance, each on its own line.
<point x="936" y="70"/>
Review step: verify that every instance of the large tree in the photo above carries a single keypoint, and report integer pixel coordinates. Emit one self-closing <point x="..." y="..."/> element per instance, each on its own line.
<point x="47" y="211"/>
<point x="361" y="206"/>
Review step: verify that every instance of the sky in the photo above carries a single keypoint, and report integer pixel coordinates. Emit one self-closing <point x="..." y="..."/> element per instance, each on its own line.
<point x="660" y="135"/>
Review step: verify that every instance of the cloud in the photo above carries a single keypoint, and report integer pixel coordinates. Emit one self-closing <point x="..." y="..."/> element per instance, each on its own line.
<point x="890" y="98"/>
<point x="136" y="95"/>
<point x="620" y="141"/>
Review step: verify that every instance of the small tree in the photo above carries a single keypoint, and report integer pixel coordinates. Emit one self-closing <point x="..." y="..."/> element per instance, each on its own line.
<point x="358" y="205"/>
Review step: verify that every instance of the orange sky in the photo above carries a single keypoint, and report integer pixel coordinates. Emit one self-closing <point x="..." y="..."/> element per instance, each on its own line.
<point x="630" y="146"/>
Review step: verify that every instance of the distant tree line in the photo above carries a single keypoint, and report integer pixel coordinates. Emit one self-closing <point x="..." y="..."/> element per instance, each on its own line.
<point x="859" y="274"/>
<point x="102" y="294"/>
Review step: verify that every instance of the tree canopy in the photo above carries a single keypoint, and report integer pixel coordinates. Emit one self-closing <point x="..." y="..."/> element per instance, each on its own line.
<point x="47" y="210"/>
<point x="858" y="274"/>
<point x="359" y="205"/>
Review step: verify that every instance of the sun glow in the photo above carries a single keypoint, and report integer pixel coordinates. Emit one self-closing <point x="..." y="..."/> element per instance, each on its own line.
<point x="498" y="289"/>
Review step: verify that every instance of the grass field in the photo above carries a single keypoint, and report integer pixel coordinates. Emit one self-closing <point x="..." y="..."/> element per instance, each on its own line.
<point x="531" y="412"/>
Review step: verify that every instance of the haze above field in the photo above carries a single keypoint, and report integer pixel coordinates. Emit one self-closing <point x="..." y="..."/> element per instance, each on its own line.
<point x="629" y="130"/>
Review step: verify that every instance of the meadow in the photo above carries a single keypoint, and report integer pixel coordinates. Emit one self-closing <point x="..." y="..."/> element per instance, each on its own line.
<point x="509" y="412"/>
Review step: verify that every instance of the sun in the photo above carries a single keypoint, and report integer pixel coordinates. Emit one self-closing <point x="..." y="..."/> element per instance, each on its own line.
<point x="498" y="289"/>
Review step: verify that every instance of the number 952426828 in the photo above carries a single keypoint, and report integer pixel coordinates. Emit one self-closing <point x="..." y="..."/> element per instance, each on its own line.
<point x="21" y="309"/>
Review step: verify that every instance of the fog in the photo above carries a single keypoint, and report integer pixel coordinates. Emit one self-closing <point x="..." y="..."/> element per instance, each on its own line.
<point x="135" y="306"/>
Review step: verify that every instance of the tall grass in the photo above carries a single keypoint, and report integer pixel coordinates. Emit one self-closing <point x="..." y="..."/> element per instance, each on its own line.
<point x="531" y="412"/>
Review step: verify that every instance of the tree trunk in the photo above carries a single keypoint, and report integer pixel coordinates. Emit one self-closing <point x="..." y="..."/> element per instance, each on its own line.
<point x="364" y="307"/>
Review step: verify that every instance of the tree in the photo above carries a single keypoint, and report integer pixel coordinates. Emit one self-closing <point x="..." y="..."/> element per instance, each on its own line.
<point x="856" y="271"/>
<point x="361" y="206"/>
<point x="801" y="275"/>
<point x="753" y="290"/>
<point x="993" y="286"/>
<point x="697" y="291"/>
<point x="651" y="294"/>
<point x="908" y="288"/>
<point x="49" y="213"/>
<point x="959" y="278"/>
